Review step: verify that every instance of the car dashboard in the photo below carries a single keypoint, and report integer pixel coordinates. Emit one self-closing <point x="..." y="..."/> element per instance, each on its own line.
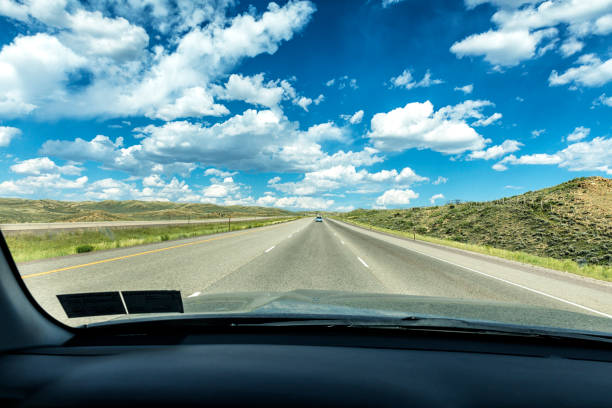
<point x="307" y="366"/>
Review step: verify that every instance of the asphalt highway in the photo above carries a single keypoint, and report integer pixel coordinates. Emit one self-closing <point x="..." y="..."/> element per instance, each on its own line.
<point x="304" y="254"/>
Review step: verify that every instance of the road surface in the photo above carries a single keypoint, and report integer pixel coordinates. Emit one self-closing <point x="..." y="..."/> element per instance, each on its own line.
<point x="304" y="254"/>
<point x="34" y="227"/>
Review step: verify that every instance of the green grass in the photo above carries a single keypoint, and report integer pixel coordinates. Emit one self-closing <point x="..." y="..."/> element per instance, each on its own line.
<point x="29" y="247"/>
<point x="601" y="272"/>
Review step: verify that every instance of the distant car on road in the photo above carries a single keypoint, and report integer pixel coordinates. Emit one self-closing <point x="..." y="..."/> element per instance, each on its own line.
<point x="319" y="219"/>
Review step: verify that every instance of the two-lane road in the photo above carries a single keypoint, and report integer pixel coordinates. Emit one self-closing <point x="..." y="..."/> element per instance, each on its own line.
<point x="307" y="255"/>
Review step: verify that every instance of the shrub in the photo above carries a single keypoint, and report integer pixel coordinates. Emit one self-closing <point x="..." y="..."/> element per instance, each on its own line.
<point x="164" y="237"/>
<point x="84" y="248"/>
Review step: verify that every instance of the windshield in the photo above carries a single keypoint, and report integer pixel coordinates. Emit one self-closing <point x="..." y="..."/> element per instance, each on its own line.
<point x="396" y="158"/>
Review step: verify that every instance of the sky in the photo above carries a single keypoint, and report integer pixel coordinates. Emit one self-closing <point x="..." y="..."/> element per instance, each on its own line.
<point x="303" y="105"/>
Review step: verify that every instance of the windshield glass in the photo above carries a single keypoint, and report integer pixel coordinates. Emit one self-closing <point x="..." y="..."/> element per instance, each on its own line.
<point x="331" y="158"/>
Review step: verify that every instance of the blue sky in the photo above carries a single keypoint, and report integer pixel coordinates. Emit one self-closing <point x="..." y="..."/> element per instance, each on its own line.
<point x="302" y="105"/>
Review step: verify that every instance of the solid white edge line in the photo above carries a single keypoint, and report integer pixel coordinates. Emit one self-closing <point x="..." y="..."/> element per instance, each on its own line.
<point x="363" y="262"/>
<point x="271" y="248"/>
<point x="539" y="292"/>
<point x="194" y="294"/>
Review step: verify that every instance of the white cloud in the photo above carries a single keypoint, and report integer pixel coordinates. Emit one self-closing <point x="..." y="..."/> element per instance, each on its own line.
<point x="440" y="180"/>
<point x="408" y="176"/>
<point x="43" y="165"/>
<point x="416" y="125"/>
<point x="537" y="132"/>
<point x="303" y="102"/>
<point x="521" y="26"/>
<point x="579" y="133"/>
<point x="343" y="82"/>
<point x="346" y="176"/>
<point x="219" y="173"/>
<point x="435" y="197"/>
<point x="355" y="118"/>
<point x="387" y="3"/>
<point x="466" y="89"/>
<point x="8" y="133"/>
<point x="594" y="155"/>
<point x="406" y="81"/>
<point x="301" y="203"/>
<point x="504" y="47"/>
<point x="319" y="99"/>
<point x="494" y="152"/>
<point x="83" y="64"/>
<point x="44" y="185"/>
<point x="195" y="102"/>
<point x="33" y="68"/>
<point x="344" y="208"/>
<point x="487" y="121"/>
<point x="274" y="180"/>
<point x="252" y="89"/>
<point x="603" y="99"/>
<point x="254" y="140"/>
<point x="571" y="46"/>
<point x="591" y="72"/>
<point x="396" y="197"/>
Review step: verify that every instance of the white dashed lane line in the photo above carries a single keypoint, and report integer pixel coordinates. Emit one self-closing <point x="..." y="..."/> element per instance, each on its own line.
<point x="271" y="248"/>
<point x="194" y="294"/>
<point x="363" y="262"/>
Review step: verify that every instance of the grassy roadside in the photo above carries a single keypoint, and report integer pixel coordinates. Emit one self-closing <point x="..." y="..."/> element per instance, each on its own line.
<point x="29" y="247"/>
<point x="600" y="272"/>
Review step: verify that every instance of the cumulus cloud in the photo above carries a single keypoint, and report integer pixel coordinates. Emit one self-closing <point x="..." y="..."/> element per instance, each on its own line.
<point x="254" y="140"/>
<point x="83" y="63"/>
<point x="355" y="118"/>
<point x="7" y="134"/>
<point x="347" y="176"/>
<point x="296" y="203"/>
<point x="440" y="180"/>
<point x="416" y="125"/>
<point x="603" y="99"/>
<point x="594" y="155"/>
<point x="502" y="47"/>
<point x="494" y="152"/>
<point x="436" y="197"/>
<point x="44" y="185"/>
<point x="342" y="82"/>
<point x="219" y="173"/>
<point x="466" y="89"/>
<point x="488" y="121"/>
<point x="571" y="46"/>
<point x="521" y="27"/>
<point x="406" y="81"/>
<point x="252" y="90"/>
<point x="396" y="197"/>
<point x="579" y="133"/>
<point x="43" y="165"/>
<point x="590" y="72"/>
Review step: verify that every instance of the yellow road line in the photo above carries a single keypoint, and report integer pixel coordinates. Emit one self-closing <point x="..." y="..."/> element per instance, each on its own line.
<point x="33" y="275"/>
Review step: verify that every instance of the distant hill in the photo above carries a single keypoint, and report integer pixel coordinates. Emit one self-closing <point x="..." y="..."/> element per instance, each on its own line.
<point x="572" y="220"/>
<point x="15" y="210"/>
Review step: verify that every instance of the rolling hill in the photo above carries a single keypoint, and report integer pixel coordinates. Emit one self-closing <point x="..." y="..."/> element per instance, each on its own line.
<point x="15" y="210"/>
<point x="572" y="220"/>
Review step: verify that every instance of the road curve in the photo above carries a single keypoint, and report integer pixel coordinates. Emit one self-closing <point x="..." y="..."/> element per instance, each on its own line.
<point x="306" y="255"/>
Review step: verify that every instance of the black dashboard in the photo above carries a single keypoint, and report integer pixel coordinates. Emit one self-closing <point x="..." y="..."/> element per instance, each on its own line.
<point x="309" y="367"/>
